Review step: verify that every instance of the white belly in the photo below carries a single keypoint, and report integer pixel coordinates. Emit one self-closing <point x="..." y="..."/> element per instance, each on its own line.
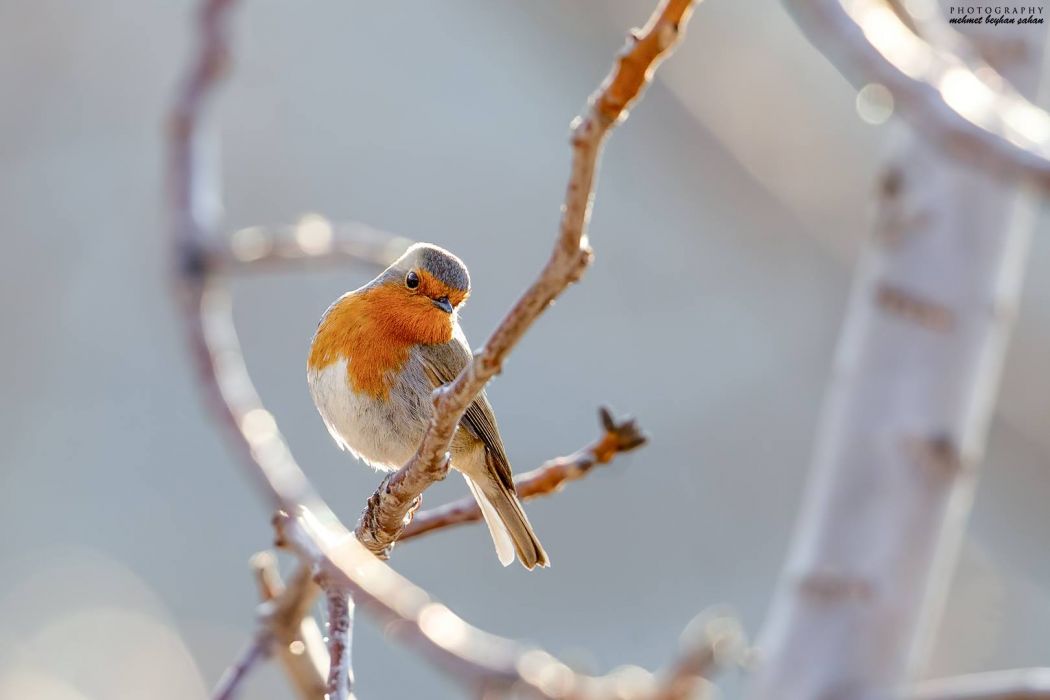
<point x="383" y="432"/>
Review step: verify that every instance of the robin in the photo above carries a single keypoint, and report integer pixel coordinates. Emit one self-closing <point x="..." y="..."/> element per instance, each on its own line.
<point x="376" y="357"/>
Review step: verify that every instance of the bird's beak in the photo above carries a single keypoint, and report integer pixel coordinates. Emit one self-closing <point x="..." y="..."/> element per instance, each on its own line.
<point x="443" y="303"/>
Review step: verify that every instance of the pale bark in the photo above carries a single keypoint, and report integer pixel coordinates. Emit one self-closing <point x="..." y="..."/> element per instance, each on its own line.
<point x="971" y="113"/>
<point x="905" y="420"/>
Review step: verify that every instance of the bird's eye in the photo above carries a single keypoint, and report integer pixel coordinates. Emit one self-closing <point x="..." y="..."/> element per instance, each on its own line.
<point x="412" y="280"/>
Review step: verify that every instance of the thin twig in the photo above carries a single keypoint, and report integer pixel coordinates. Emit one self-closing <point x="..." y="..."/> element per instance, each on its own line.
<point x="228" y="685"/>
<point x="387" y="510"/>
<point x="618" y="437"/>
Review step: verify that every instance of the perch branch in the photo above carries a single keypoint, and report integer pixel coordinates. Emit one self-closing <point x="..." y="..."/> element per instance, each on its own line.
<point x="389" y="507"/>
<point x="1015" y="684"/>
<point x="972" y="116"/>
<point x="618" y="437"/>
<point x="304" y="522"/>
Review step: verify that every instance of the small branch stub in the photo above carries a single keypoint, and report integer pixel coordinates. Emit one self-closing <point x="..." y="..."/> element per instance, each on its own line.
<point x="618" y="436"/>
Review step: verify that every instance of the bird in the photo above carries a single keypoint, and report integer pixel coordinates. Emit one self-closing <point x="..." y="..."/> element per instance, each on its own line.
<point x="376" y="357"/>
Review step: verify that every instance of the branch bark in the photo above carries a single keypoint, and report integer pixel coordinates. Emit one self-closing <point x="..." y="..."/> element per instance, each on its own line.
<point x="340" y="625"/>
<point x="387" y="511"/>
<point x="971" y="115"/>
<point x="904" y="423"/>
<point x="618" y="437"/>
<point x="229" y="683"/>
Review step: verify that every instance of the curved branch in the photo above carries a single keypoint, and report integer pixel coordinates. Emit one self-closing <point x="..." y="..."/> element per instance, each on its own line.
<point x="618" y="437"/>
<point x="934" y="89"/>
<point x="476" y="657"/>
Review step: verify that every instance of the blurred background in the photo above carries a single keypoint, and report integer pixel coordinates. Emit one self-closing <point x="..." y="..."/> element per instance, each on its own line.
<point x="730" y="210"/>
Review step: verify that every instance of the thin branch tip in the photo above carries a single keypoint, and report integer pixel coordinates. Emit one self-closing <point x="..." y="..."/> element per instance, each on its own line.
<point x="625" y="434"/>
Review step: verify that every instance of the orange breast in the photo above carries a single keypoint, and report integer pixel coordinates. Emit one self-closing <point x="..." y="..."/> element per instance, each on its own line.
<point x="374" y="330"/>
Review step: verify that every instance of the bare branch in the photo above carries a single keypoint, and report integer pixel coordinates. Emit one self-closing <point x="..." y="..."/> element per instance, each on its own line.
<point x="974" y="116"/>
<point x="312" y="242"/>
<point x="388" y="508"/>
<point x="474" y="657"/>
<point x="229" y="683"/>
<point x="619" y="436"/>
<point x="1015" y="684"/>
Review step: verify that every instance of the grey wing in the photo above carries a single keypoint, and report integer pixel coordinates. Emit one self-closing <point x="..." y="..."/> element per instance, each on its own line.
<point x="443" y="363"/>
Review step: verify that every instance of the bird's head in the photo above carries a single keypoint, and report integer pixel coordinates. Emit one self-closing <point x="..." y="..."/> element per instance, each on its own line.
<point x="418" y="297"/>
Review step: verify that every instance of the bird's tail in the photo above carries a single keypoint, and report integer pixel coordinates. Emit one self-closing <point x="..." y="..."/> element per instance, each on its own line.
<point x="510" y="529"/>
